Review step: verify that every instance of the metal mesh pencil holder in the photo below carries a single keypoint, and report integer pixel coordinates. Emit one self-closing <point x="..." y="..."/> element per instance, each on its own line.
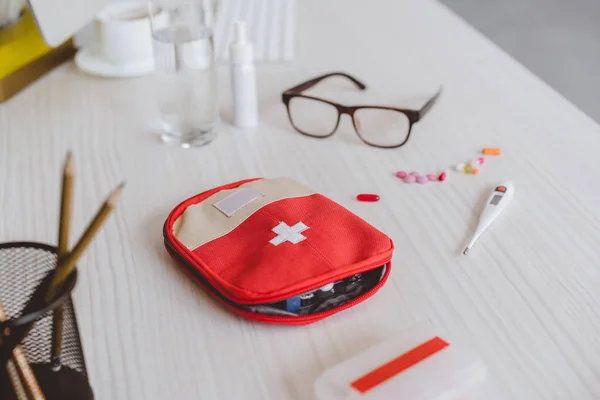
<point x="25" y="272"/>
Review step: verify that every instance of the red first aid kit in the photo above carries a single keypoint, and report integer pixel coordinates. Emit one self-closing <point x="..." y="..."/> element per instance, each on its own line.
<point x="275" y="251"/>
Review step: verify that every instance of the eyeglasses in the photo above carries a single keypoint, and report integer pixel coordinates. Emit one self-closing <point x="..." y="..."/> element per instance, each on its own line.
<point x="379" y="126"/>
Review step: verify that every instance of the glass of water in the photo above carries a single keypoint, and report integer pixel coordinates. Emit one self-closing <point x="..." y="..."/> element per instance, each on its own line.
<point x="185" y="71"/>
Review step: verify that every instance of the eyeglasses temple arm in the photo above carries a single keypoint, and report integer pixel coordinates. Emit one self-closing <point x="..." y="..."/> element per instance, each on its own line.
<point x="429" y="103"/>
<point x="307" y="85"/>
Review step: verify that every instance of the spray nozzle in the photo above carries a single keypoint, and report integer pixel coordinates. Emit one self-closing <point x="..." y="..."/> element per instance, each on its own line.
<point x="241" y="48"/>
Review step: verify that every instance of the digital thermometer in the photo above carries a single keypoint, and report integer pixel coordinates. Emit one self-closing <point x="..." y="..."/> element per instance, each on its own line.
<point x="494" y="205"/>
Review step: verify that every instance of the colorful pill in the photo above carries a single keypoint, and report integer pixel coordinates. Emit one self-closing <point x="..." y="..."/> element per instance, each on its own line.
<point x="367" y="197"/>
<point x="442" y="176"/>
<point x="414" y="173"/>
<point x="459" y="167"/>
<point x="468" y="169"/>
<point x="410" y="179"/>
<point x="422" y="179"/>
<point x="481" y="160"/>
<point x="401" y="174"/>
<point x="475" y="171"/>
<point x="432" y="177"/>
<point x="492" y="151"/>
<point x="293" y="304"/>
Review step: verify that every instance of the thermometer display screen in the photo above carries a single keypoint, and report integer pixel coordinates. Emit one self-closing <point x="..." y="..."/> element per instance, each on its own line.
<point x="495" y="200"/>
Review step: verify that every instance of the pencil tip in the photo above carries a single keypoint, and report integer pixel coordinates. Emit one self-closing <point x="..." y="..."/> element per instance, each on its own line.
<point x="69" y="163"/>
<point x="115" y="196"/>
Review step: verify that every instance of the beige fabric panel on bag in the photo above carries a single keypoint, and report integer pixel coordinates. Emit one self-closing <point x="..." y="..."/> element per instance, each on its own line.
<point x="200" y="223"/>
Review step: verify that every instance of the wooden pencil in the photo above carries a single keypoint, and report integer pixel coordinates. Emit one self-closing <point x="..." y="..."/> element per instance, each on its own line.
<point x="15" y="381"/>
<point x="19" y="368"/>
<point x="65" y="206"/>
<point x="24" y="372"/>
<point x="66" y="265"/>
<point x="63" y="248"/>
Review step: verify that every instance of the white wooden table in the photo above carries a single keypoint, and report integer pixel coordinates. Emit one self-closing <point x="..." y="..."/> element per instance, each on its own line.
<point x="526" y="299"/>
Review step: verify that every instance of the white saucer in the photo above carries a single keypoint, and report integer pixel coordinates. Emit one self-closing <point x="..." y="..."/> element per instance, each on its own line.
<point x="96" y="65"/>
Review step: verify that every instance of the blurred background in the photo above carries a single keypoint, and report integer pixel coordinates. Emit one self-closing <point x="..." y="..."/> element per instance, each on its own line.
<point x="558" y="40"/>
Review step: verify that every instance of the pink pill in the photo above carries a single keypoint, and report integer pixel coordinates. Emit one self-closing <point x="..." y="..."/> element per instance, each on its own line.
<point x="422" y="179"/>
<point x="410" y="179"/>
<point x="414" y="173"/>
<point x="401" y="174"/>
<point x="432" y="177"/>
<point x="481" y="160"/>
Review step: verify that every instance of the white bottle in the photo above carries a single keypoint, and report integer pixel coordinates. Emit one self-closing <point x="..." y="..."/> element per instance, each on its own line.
<point x="243" y="79"/>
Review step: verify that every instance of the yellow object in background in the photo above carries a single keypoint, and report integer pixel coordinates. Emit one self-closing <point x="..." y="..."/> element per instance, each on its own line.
<point x="24" y="56"/>
<point x="20" y="44"/>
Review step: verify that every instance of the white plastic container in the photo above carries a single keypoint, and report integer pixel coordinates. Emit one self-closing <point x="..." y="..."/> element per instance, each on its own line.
<point x="243" y="80"/>
<point x="413" y="366"/>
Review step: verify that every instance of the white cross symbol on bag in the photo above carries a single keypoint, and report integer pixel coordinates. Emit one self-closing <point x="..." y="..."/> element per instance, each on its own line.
<point x="286" y="233"/>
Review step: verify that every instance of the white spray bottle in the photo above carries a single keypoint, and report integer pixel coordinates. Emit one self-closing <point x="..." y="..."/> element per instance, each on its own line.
<point x="243" y="79"/>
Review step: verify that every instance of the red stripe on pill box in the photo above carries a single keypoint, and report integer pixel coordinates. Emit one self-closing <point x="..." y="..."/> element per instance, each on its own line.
<point x="398" y="364"/>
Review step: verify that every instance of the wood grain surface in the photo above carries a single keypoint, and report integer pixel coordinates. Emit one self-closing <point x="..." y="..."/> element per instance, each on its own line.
<point x="526" y="299"/>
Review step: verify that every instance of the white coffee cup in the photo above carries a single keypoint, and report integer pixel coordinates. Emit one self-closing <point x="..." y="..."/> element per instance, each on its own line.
<point x="124" y="34"/>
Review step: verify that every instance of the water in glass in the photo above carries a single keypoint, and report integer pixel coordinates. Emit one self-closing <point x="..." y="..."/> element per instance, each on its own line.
<point x="186" y="84"/>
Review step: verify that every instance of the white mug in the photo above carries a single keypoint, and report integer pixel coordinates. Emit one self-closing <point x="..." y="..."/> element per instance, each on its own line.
<point x="124" y="34"/>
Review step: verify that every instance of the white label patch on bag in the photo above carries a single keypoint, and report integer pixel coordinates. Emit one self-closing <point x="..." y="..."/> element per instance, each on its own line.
<point x="237" y="200"/>
<point x="286" y="233"/>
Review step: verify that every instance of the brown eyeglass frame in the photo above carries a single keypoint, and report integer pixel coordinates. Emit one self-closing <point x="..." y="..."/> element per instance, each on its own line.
<point x="412" y="115"/>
